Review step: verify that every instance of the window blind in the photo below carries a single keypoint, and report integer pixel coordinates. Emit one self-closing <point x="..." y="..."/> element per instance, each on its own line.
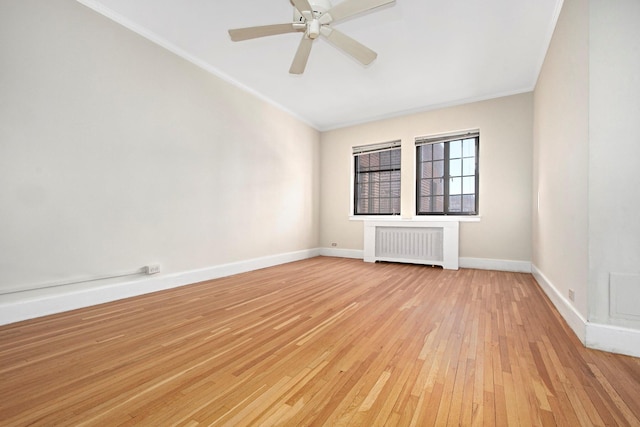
<point x="372" y="148"/>
<point x="447" y="137"/>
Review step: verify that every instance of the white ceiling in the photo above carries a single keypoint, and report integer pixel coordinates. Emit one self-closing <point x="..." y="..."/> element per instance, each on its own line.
<point x="431" y="53"/>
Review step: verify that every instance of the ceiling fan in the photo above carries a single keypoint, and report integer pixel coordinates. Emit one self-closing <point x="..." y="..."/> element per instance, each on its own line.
<point x="314" y="18"/>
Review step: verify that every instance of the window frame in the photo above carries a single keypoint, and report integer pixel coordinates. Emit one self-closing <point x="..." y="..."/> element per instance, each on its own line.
<point x="447" y="139"/>
<point x="368" y="150"/>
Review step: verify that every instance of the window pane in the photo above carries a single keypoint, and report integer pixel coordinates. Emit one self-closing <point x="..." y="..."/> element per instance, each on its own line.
<point x="438" y="169"/>
<point x="469" y="148"/>
<point x="362" y="178"/>
<point x="385" y="189"/>
<point x="395" y="204"/>
<point x="426" y="187"/>
<point x="385" y="159"/>
<point x="385" y="205"/>
<point x="469" y="204"/>
<point x="426" y="204"/>
<point x="427" y="170"/>
<point x="363" y="191"/>
<point x="375" y="160"/>
<point x="395" y="157"/>
<point x="363" y="162"/>
<point x="469" y="166"/>
<point x="455" y="203"/>
<point x="469" y="185"/>
<point x="455" y="149"/>
<point x="438" y="151"/>
<point x="432" y="204"/>
<point x="455" y="186"/>
<point x="425" y="152"/>
<point x="455" y="167"/>
<point x="439" y="204"/>
<point x="363" y="205"/>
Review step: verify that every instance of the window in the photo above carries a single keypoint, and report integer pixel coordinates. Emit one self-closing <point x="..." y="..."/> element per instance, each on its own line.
<point x="447" y="175"/>
<point x="377" y="179"/>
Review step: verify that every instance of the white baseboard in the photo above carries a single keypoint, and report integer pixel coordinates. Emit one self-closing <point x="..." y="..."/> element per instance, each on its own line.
<point x="614" y="339"/>
<point x="611" y="338"/>
<point x="573" y="318"/>
<point x="342" y="253"/>
<point x="478" y="263"/>
<point x="495" y="264"/>
<point x="59" y="299"/>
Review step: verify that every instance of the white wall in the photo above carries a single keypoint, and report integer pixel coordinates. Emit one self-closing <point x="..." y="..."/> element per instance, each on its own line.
<point x="614" y="169"/>
<point x="561" y="158"/>
<point x="115" y="153"/>
<point x="586" y="233"/>
<point x="504" y="231"/>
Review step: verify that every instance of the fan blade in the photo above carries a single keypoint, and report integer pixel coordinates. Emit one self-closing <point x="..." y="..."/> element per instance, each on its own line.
<point x="302" y="56"/>
<point x="304" y="8"/>
<point x="349" y="8"/>
<point x="240" y="34"/>
<point x="349" y="45"/>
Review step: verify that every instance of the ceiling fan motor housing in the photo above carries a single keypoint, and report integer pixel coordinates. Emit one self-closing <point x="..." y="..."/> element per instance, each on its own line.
<point x="319" y="7"/>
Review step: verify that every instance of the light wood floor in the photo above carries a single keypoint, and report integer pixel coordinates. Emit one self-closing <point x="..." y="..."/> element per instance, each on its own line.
<point x="319" y="342"/>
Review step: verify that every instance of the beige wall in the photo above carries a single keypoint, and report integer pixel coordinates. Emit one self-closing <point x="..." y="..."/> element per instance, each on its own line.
<point x="115" y="153"/>
<point x="586" y="235"/>
<point x="505" y="124"/>
<point x="614" y="167"/>
<point x="560" y="157"/>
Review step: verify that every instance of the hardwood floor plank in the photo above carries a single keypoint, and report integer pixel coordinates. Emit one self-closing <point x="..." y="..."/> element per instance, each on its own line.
<point x="323" y="341"/>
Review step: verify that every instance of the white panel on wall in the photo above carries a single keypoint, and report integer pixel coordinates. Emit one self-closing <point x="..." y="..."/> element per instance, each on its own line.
<point x="624" y="296"/>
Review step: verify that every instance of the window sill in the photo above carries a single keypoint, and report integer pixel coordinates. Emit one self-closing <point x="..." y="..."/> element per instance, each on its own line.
<point x="376" y="218"/>
<point x="421" y="218"/>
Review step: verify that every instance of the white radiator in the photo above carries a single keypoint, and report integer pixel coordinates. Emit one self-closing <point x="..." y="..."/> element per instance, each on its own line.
<point x="432" y="243"/>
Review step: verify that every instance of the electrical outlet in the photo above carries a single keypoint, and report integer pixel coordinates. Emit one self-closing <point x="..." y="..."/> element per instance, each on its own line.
<point x="152" y="269"/>
<point x="572" y="295"/>
<point x="334" y="244"/>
